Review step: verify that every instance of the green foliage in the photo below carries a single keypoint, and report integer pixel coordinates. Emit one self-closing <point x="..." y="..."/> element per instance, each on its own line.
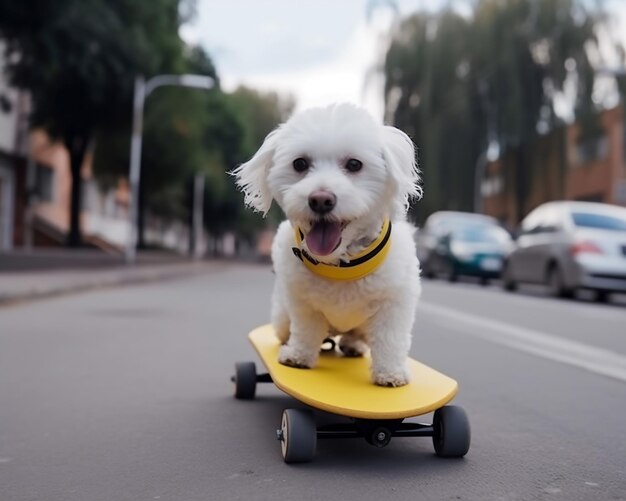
<point x="187" y="132"/>
<point x="260" y="113"/>
<point x="242" y="120"/>
<point x="176" y="123"/>
<point x="78" y="58"/>
<point x="457" y="83"/>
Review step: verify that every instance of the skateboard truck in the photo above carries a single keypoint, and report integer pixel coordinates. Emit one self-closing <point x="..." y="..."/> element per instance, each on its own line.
<point x="298" y="433"/>
<point x="375" y="432"/>
<point x="341" y="387"/>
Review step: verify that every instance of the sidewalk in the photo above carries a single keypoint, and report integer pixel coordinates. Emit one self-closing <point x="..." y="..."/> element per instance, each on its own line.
<point x="16" y="286"/>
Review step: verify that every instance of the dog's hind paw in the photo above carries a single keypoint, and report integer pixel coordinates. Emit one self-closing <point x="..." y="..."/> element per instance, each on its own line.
<point x="352" y="347"/>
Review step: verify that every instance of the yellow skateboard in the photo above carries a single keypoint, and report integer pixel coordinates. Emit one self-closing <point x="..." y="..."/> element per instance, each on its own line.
<point x="342" y="385"/>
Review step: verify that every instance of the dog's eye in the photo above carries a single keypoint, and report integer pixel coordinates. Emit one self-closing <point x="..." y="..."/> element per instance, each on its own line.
<point x="300" y="164"/>
<point x="354" y="165"/>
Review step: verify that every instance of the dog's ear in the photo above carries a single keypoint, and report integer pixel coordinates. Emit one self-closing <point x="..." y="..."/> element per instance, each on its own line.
<point x="400" y="158"/>
<point x="252" y="175"/>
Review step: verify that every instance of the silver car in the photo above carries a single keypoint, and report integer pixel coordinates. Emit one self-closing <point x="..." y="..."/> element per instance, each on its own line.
<point x="570" y="246"/>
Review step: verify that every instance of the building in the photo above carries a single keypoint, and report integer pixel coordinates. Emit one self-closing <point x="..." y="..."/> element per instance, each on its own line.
<point x="13" y="145"/>
<point x="559" y="166"/>
<point x="35" y="184"/>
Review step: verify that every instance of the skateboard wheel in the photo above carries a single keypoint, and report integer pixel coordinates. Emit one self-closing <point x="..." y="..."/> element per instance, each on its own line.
<point x="451" y="428"/>
<point x="298" y="436"/>
<point x="245" y="380"/>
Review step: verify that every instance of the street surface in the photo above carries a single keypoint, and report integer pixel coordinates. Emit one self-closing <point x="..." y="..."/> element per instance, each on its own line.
<point x="125" y="394"/>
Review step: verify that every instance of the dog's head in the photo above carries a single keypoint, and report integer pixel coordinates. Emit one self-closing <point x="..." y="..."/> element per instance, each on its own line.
<point x="332" y="170"/>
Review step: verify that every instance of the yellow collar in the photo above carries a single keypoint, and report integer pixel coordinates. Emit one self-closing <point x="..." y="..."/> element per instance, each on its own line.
<point x="359" y="266"/>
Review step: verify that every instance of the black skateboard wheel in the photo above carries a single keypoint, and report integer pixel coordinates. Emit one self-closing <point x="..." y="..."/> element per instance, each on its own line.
<point x="245" y="380"/>
<point x="298" y="436"/>
<point x="451" y="428"/>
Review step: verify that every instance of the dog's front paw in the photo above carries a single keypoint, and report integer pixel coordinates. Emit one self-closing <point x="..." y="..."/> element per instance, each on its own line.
<point x="392" y="379"/>
<point x="295" y="358"/>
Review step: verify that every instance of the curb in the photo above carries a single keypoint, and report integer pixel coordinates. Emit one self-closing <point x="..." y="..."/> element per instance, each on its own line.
<point x="115" y="278"/>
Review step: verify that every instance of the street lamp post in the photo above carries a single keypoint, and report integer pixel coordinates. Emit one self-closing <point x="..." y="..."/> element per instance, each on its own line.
<point x="142" y="90"/>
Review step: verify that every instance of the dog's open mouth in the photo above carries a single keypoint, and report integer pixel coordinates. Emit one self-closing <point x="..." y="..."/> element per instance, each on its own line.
<point x="324" y="236"/>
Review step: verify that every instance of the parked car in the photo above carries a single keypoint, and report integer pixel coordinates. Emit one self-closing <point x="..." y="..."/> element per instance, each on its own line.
<point x="570" y="246"/>
<point x="476" y="250"/>
<point x="438" y="225"/>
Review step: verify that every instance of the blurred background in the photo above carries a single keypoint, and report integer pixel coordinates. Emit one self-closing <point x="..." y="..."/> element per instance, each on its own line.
<point x="512" y="104"/>
<point x="119" y="123"/>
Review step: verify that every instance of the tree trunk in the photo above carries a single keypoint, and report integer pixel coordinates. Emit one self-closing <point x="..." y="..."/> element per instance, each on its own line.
<point x="521" y="181"/>
<point x="141" y="216"/>
<point x="191" y="241"/>
<point x="77" y="147"/>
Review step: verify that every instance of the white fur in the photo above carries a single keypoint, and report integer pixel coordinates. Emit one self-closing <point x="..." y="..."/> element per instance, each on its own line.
<point x="378" y="310"/>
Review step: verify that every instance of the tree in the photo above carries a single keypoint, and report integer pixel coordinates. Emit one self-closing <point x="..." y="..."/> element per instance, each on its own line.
<point x="428" y="76"/>
<point x="175" y="122"/>
<point x="525" y="75"/>
<point x="77" y="58"/>
<point x="258" y="113"/>
<point x="458" y="83"/>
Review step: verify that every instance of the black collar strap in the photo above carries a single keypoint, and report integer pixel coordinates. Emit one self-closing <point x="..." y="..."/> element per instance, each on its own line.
<point x="359" y="266"/>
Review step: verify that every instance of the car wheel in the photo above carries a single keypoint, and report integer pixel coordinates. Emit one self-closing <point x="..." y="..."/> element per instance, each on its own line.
<point x="427" y="271"/>
<point x="450" y="273"/>
<point x="508" y="282"/>
<point x="602" y="296"/>
<point x="556" y="283"/>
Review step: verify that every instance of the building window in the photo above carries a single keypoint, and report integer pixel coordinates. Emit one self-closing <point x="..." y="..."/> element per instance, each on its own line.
<point x="596" y="197"/>
<point x="624" y="140"/>
<point x="44" y="183"/>
<point x="492" y="185"/>
<point x="592" y="149"/>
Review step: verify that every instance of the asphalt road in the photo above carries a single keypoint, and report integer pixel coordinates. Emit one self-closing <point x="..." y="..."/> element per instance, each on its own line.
<point x="124" y="394"/>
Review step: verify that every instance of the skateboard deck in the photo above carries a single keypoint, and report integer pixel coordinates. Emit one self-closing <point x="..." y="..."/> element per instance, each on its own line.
<point x="342" y="385"/>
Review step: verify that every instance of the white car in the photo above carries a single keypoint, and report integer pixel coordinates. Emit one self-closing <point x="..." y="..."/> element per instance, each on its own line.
<point x="570" y="246"/>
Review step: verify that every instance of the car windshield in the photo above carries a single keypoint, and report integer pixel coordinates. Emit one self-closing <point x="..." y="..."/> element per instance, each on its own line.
<point x="454" y="224"/>
<point x="481" y="234"/>
<point x="599" y="221"/>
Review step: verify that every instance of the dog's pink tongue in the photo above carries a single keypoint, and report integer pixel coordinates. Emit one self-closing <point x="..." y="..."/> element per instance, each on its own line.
<point x="323" y="238"/>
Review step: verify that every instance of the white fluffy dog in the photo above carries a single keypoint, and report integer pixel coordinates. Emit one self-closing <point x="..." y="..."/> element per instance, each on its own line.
<point x="344" y="183"/>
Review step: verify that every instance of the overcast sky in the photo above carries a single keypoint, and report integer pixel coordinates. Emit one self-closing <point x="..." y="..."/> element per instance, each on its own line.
<point x="317" y="50"/>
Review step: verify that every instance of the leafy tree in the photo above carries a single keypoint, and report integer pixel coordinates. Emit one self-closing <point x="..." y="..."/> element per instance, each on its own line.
<point x="258" y="113"/>
<point x="526" y="73"/>
<point x="78" y="58"/>
<point x="458" y="83"/>
<point x="434" y="103"/>
<point x="175" y="123"/>
<point x="188" y="132"/>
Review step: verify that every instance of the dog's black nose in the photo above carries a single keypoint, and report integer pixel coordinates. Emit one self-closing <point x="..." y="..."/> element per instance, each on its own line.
<point x="321" y="201"/>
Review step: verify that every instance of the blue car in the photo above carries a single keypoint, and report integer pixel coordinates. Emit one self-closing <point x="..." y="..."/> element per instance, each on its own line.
<point x="475" y="250"/>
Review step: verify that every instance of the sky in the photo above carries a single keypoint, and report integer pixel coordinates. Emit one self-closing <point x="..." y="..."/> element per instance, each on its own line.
<point x="319" y="51"/>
